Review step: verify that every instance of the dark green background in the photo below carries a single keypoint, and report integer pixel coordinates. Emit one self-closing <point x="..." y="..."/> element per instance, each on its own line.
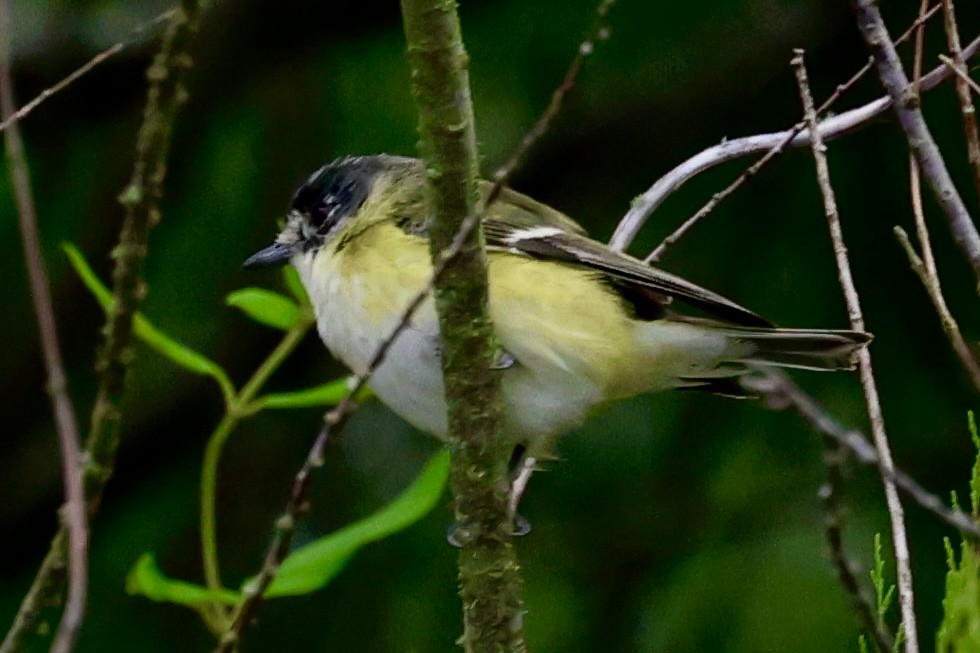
<point x="674" y="522"/>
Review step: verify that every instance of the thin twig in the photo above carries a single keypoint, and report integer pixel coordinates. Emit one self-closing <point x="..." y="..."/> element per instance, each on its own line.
<point x="963" y="84"/>
<point x="961" y="74"/>
<point x="140" y="199"/>
<point x="928" y="260"/>
<point x="789" y="139"/>
<point x="842" y="124"/>
<point x="925" y="267"/>
<point x="781" y="393"/>
<point x="86" y="68"/>
<point x="915" y="177"/>
<point x="835" y="454"/>
<point x="895" y="512"/>
<point x="74" y="514"/>
<point x="969" y="81"/>
<point x="920" y="140"/>
<point x="931" y="283"/>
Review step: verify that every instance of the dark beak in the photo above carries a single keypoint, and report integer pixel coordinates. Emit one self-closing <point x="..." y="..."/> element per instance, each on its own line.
<point x="274" y="255"/>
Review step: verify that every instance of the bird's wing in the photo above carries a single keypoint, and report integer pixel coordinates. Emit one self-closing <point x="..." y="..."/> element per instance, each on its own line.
<point x="518" y="228"/>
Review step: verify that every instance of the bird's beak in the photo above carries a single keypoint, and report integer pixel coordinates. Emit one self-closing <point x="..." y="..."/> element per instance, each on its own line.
<point x="274" y="255"/>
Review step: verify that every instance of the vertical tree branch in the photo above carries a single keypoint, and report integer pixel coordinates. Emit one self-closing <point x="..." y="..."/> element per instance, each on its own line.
<point x="921" y="143"/>
<point x="74" y="514"/>
<point x="895" y="511"/>
<point x="140" y="200"/>
<point x="490" y="585"/>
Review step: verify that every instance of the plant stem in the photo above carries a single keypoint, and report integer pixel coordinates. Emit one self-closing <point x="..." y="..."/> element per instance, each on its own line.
<point x="237" y="409"/>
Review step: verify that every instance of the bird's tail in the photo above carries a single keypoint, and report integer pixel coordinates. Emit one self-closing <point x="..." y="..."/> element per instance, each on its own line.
<point x="808" y="349"/>
<point x="702" y="355"/>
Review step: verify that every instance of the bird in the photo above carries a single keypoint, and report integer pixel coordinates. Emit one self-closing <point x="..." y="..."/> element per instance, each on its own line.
<point x="579" y="324"/>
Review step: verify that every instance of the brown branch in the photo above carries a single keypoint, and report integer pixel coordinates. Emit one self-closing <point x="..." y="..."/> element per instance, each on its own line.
<point x="74" y="515"/>
<point x="895" y="512"/>
<point x="140" y="200"/>
<point x="960" y="73"/>
<point x="920" y="140"/>
<point x="963" y="83"/>
<point x="771" y="144"/>
<point x="925" y="267"/>
<point x="85" y="68"/>
<point x="781" y="393"/>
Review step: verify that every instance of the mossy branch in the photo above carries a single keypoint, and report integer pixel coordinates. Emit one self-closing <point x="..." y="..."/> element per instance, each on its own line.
<point x="140" y="200"/>
<point x="490" y="585"/>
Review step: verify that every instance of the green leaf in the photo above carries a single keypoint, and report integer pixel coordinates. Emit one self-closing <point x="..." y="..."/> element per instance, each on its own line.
<point x="145" y="330"/>
<point x="265" y="307"/>
<point x="884" y="592"/>
<point x="146" y="579"/>
<point x="311" y="567"/>
<point x="327" y="394"/>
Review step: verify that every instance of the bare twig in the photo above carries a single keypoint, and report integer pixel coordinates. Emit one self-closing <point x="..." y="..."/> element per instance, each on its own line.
<point x="85" y="68"/>
<point x="895" y="512"/>
<point x="789" y="139"/>
<point x="74" y="514"/>
<point x="929" y="261"/>
<point x="963" y="84"/>
<point x="835" y="454"/>
<point x="831" y="128"/>
<point x="781" y="393"/>
<point x="141" y="202"/>
<point x="931" y="283"/>
<point x="961" y="74"/>
<point x="920" y="140"/>
<point x="925" y="267"/>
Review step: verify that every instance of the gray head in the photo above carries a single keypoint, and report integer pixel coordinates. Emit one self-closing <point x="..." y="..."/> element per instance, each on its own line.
<point x="323" y="205"/>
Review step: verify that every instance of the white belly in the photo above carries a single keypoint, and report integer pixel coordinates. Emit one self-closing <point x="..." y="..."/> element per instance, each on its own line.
<point x="409" y="380"/>
<point x="541" y="398"/>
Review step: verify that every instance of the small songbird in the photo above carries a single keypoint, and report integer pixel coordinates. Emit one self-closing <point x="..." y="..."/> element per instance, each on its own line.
<point x="580" y="325"/>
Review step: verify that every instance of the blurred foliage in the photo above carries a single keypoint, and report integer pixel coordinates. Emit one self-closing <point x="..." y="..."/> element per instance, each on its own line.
<point x="675" y="522"/>
<point x="313" y="565"/>
<point x="959" y="631"/>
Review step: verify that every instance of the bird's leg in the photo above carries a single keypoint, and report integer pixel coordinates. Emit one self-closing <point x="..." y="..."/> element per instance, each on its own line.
<point x="521" y="468"/>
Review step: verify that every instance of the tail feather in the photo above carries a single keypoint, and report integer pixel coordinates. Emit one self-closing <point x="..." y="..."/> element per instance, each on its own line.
<point x="703" y="355"/>
<point x="808" y="349"/>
